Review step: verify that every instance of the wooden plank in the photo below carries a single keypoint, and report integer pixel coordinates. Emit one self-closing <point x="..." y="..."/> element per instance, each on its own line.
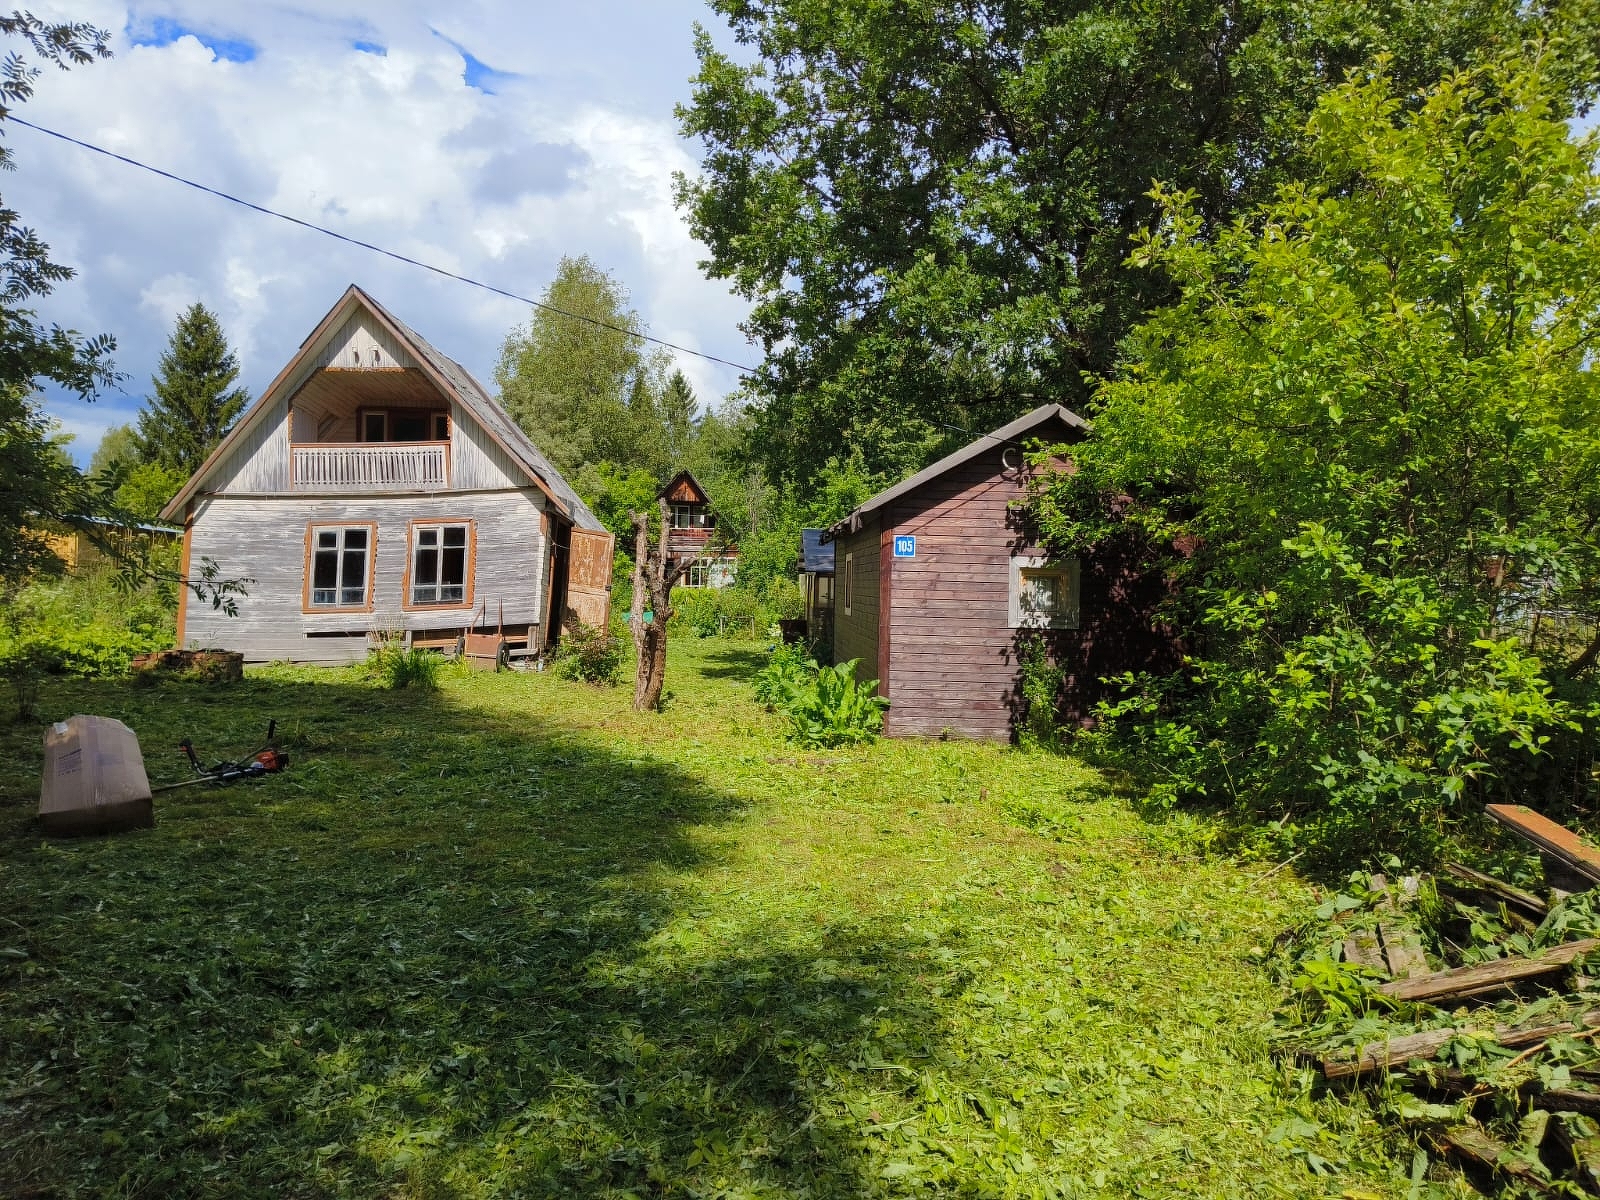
<point x="589" y="576"/>
<point x="1413" y="1047"/>
<point x="1489" y="976"/>
<point x="1555" y="841"/>
<point x="1472" y="1145"/>
<point x="1362" y="947"/>
<point x="1402" y="951"/>
<point x="1529" y="904"/>
<point x="1569" y="1100"/>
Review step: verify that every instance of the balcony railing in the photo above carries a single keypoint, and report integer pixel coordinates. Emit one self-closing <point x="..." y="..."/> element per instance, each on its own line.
<point x="370" y="466"/>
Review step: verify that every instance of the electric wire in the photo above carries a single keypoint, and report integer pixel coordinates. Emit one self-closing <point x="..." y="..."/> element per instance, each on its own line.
<point x="398" y="257"/>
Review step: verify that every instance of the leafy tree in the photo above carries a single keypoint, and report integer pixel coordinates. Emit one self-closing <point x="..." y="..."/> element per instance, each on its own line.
<point x="930" y="204"/>
<point x="584" y="387"/>
<point x="141" y="488"/>
<point x="194" y="402"/>
<point x="1366" y="442"/>
<point x="36" y="481"/>
<point x="117" y="445"/>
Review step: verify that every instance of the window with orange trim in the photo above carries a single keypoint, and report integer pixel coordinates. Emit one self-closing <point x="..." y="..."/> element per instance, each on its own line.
<point x="441" y="561"/>
<point x="339" y="566"/>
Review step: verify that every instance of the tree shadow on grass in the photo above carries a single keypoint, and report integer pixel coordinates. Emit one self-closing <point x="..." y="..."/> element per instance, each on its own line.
<point x="734" y="664"/>
<point x="452" y="950"/>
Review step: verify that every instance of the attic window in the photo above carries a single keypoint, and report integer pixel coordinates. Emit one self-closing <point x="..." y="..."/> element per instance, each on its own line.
<point x="355" y="357"/>
<point x="690" y="516"/>
<point x="1044" y="593"/>
<point x="376" y="357"/>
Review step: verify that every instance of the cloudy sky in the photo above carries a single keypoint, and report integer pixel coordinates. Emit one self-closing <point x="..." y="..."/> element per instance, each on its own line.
<point x="486" y="136"/>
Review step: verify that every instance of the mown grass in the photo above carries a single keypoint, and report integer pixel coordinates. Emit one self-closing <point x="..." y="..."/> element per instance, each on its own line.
<point x="511" y="939"/>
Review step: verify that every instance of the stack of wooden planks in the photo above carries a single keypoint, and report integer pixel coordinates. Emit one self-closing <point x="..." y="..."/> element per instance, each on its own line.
<point x="1560" y="1144"/>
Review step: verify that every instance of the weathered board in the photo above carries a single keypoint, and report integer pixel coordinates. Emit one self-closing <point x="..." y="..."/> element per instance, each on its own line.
<point x="589" y="577"/>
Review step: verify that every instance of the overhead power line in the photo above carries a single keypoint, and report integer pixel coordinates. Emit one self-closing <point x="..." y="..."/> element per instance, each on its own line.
<point x="398" y="257"/>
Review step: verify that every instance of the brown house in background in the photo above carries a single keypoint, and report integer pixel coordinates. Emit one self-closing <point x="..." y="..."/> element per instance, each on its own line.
<point x="691" y="535"/>
<point x="938" y="581"/>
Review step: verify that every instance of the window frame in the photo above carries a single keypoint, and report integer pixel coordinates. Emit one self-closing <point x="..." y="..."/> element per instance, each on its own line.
<point x="849" y="581"/>
<point x="307" y="566"/>
<point x="388" y="412"/>
<point x="1068" y="570"/>
<point x="407" y="604"/>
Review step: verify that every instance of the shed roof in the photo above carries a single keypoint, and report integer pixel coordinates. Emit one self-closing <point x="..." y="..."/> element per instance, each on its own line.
<point x="451" y="377"/>
<point x="1019" y="428"/>
<point x="816" y="556"/>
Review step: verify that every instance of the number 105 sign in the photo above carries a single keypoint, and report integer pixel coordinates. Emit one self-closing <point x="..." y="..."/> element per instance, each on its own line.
<point x="905" y="545"/>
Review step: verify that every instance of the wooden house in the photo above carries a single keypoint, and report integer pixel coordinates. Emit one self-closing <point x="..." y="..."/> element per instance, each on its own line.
<point x="938" y="581"/>
<point x="376" y="487"/>
<point x="692" y="535"/>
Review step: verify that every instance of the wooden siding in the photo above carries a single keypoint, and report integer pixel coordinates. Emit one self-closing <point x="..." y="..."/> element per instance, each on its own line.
<point x="266" y="544"/>
<point x="856" y="635"/>
<point x="476" y="459"/>
<point x="259" y="461"/>
<point x="951" y="649"/>
<point x="358" y="340"/>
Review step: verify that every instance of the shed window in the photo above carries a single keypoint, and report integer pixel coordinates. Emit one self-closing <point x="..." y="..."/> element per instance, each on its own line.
<point x="340" y="566"/>
<point x="849" y="581"/>
<point x="441" y="561"/>
<point x="1044" y="593"/>
<point x="690" y="516"/>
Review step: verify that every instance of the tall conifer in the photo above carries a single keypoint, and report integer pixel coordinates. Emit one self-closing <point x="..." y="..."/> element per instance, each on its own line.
<point x="194" y="402"/>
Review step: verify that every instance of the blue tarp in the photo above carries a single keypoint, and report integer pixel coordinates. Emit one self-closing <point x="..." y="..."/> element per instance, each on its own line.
<point x="816" y="556"/>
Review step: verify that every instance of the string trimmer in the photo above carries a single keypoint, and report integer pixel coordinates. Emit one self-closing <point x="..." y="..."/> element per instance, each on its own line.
<point x="268" y="760"/>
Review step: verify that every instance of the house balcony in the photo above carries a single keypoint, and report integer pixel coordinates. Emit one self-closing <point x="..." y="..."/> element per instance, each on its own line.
<point x="369" y="466"/>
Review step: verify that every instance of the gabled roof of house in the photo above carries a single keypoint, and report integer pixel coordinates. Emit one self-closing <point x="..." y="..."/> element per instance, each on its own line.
<point x="684" y="477"/>
<point x="1020" y="428"/>
<point x="454" y="380"/>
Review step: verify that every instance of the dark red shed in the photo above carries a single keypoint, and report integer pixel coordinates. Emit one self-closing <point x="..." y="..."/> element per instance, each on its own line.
<point x="938" y="581"/>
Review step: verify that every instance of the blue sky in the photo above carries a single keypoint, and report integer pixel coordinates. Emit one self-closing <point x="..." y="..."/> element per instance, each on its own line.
<point x="489" y="138"/>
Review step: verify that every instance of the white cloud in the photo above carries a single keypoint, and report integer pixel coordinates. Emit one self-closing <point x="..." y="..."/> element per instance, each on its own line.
<point x="572" y="153"/>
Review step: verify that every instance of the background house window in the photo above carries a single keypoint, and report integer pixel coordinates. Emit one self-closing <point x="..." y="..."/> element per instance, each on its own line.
<point x="1044" y="593"/>
<point x="690" y="516"/>
<point x="849" y="581"/>
<point x="440" y="561"/>
<point x="339" y="572"/>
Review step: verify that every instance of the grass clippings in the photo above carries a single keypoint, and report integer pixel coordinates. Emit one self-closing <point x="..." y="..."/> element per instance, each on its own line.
<point x="513" y="939"/>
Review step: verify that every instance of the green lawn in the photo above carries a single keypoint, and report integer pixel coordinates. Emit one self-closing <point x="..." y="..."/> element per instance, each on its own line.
<point x="515" y="940"/>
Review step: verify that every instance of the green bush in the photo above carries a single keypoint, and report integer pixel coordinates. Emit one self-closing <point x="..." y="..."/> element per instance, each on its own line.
<point x="830" y="707"/>
<point x="398" y="666"/>
<point x="590" y="653"/>
<point x="713" y="612"/>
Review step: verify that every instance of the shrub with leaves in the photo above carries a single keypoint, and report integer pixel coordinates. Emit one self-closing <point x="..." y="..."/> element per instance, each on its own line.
<point x="1363" y="443"/>
<point x="831" y="707"/>
<point x="590" y="653"/>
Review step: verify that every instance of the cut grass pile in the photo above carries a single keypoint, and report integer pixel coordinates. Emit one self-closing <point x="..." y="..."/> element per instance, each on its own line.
<point x="512" y="939"/>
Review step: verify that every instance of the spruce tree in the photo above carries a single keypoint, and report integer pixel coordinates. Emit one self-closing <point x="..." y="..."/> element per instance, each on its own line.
<point x="194" y="402"/>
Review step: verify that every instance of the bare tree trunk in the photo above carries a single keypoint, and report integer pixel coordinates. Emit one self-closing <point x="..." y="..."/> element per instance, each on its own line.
<point x="641" y="561"/>
<point x="650" y="571"/>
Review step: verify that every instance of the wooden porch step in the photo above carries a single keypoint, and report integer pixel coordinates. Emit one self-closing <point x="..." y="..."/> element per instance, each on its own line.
<point x="1557" y="845"/>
